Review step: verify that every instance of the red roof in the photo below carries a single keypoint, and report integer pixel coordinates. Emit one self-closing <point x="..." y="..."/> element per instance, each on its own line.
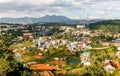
<point x="107" y="64"/>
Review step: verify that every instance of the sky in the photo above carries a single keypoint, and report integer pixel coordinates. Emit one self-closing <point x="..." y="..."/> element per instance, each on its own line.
<point x="74" y="9"/>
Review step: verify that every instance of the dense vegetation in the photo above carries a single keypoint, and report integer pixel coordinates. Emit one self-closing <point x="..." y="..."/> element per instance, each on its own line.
<point x="8" y="65"/>
<point x="112" y="26"/>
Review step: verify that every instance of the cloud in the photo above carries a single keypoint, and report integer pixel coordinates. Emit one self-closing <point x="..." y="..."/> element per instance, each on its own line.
<point x="36" y="8"/>
<point x="6" y="1"/>
<point x="36" y="2"/>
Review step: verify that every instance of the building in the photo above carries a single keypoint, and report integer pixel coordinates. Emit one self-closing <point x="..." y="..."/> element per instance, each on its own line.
<point x="43" y="69"/>
<point x="80" y="26"/>
<point x="109" y="66"/>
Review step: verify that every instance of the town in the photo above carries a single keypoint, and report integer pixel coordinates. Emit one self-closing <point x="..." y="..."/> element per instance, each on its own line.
<point x="63" y="50"/>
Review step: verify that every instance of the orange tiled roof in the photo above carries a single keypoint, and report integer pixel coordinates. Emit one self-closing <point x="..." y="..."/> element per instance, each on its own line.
<point x="43" y="67"/>
<point x="58" y="62"/>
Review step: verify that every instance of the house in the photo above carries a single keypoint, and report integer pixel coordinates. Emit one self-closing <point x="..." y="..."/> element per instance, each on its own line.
<point x="41" y="41"/>
<point x="27" y="33"/>
<point x="43" y="69"/>
<point x="80" y="26"/>
<point x="47" y="44"/>
<point x="24" y="37"/>
<point x="116" y="42"/>
<point x="35" y="41"/>
<point x="17" y="56"/>
<point x="85" y="45"/>
<point x="73" y="47"/>
<point x="118" y="54"/>
<point x="3" y="28"/>
<point x="31" y="63"/>
<point x="64" y="42"/>
<point x="86" y="63"/>
<point x="109" y="66"/>
<point x="40" y="53"/>
<point x="55" y="42"/>
<point x="84" y="57"/>
<point x="105" y="43"/>
<point x="58" y="62"/>
<point x="118" y="48"/>
<point x="56" y="58"/>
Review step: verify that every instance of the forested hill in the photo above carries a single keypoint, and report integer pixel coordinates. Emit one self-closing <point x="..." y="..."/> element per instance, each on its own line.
<point x="106" y="23"/>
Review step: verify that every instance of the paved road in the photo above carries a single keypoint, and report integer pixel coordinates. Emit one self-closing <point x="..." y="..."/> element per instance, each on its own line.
<point x="100" y="48"/>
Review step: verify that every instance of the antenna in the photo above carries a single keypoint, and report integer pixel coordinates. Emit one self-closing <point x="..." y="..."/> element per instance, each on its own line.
<point x="87" y="22"/>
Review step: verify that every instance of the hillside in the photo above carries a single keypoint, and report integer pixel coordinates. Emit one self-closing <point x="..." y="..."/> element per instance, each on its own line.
<point x="97" y="25"/>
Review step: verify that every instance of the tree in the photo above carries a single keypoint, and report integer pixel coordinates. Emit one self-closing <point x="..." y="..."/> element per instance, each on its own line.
<point x="4" y="66"/>
<point x="94" y="41"/>
<point x="8" y="65"/>
<point x="56" y="36"/>
<point x="7" y="62"/>
<point x="65" y="36"/>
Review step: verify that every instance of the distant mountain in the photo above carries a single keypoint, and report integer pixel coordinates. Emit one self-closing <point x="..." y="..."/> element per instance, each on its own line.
<point x="44" y="19"/>
<point x="15" y="20"/>
<point x="54" y="18"/>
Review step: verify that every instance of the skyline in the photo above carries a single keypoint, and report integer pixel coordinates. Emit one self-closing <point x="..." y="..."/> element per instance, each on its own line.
<point x="74" y="9"/>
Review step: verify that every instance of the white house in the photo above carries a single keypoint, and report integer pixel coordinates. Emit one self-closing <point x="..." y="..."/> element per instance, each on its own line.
<point x="85" y="58"/>
<point x="118" y="54"/>
<point x="17" y="56"/>
<point x="80" y="26"/>
<point x="109" y="67"/>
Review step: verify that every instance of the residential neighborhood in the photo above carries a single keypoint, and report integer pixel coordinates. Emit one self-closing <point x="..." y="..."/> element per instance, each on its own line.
<point x="60" y="50"/>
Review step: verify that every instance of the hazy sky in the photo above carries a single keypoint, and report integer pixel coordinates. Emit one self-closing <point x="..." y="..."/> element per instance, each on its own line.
<point x="77" y="9"/>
